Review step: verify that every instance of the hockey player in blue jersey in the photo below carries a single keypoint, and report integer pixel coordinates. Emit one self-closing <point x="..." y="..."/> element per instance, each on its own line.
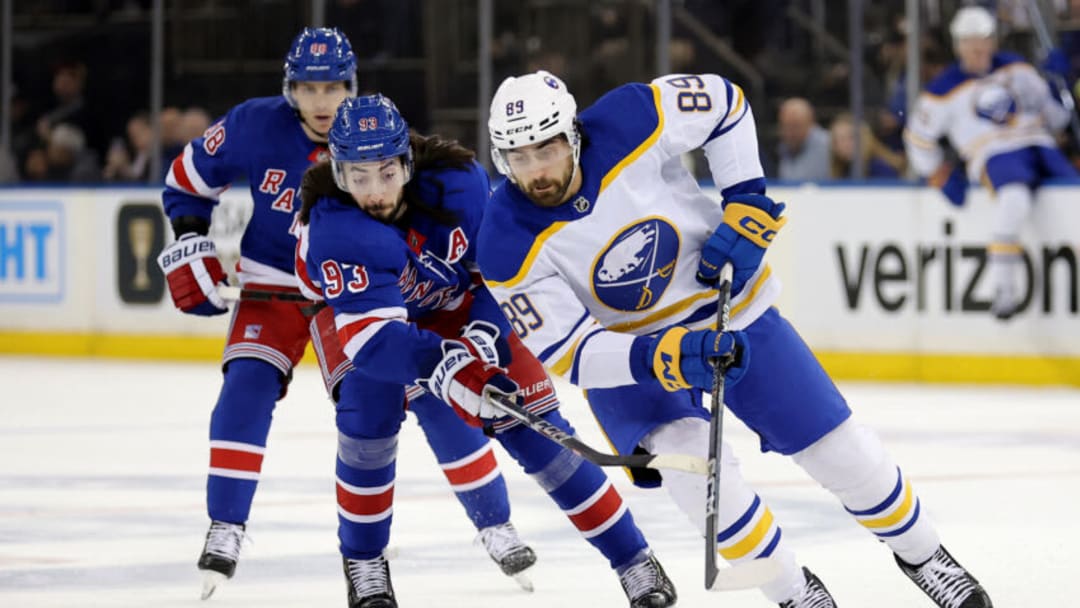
<point x="387" y="239"/>
<point x="1000" y="116"/>
<point x="270" y="142"/>
<point x="604" y="252"/>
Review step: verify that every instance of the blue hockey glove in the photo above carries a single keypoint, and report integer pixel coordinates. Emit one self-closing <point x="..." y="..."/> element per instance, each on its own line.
<point x="952" y="181"/>
<point x="750" y="224"/>
<point x="683" y="359"/>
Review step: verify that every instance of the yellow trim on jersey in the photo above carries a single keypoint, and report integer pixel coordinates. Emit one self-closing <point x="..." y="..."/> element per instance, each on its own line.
<point x="530" y="258"/>
<point x="918" y="140"/>
<point x="645" y="145"/>
<point x="562" y="366"/>
<point x="896" y="516"/>
<point x="667" y="311"/>
<point x="752" y="540"/>
<point x="738" y="102"/>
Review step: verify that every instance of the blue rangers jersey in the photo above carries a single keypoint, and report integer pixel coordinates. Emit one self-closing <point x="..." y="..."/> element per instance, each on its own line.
<point x="379" y="278"/>
<point x="580" y="281"/>
<point x="262" y="141"/>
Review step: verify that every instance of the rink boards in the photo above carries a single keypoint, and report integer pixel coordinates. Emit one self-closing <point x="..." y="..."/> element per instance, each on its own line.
<point x="883" y="282"/>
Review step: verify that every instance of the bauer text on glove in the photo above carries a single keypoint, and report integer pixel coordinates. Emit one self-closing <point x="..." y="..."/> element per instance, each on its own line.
<point x="467" y="384"/>
<point x="193" y="272"/>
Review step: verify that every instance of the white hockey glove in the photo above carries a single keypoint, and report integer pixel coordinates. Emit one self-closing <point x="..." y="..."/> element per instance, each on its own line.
<point x="481" y="338"/>
<point x="193" y="271"/>
<point x="465" y="382"/>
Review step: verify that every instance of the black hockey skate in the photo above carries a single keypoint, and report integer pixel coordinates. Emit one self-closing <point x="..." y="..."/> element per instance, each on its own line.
<point x="813" y="595"/>
<point x="646" y="585"/>
<point x="369" y="583"/>
<point x="507" y="550"/>
<point x="946" y="582"/>
<point x="219" y="555"/>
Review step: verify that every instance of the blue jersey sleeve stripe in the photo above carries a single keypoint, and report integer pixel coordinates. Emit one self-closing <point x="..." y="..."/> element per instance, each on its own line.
<point x="720" y="125"/>
<point x="723" y="128"/>
<point x="750" y="186"/>
<point x="549" y="351"/>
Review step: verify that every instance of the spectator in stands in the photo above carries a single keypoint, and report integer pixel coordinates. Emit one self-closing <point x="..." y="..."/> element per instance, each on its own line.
<point x="803" y="152"/>
<point x="69" y="159"/>
<point x="36" y="165"/>
<point x="878" y="161"/>
<point x="193" y="123"/>
<point x="68" y="88"/>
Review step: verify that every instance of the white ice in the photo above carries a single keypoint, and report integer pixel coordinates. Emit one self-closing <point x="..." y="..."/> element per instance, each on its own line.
<point x="103" y="463"/>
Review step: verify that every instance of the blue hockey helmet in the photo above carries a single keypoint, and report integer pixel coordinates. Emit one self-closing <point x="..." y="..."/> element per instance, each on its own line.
<point x="366" y="129"/>
<point x="319" y="54"/>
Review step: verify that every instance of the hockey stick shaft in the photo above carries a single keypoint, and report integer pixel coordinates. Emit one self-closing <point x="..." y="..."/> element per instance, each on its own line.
<point x="716" y="434"/>
<point x="232" y="293"/>
<point x="679" y="462"/>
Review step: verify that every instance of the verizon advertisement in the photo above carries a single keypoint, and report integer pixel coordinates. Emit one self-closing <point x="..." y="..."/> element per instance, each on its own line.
<point x="900" y="270"/>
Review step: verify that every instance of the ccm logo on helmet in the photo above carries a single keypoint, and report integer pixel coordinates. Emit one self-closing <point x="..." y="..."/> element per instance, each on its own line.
<point x="752" y="226"/>
<point x="516" y="130"/>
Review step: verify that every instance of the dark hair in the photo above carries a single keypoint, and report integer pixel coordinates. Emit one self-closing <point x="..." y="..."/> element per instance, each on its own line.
<point x="318" y="182"/>
<point x="433" y="152"/>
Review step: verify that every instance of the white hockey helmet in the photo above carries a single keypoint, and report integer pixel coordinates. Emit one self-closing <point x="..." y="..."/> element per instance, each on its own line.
<point x="972" y="22"/>
<point x="530" y="109"/>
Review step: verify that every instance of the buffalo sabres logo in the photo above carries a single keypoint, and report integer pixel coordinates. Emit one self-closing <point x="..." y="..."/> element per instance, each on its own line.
<point x="995" y="102"/>
<point x="634" y="270"/>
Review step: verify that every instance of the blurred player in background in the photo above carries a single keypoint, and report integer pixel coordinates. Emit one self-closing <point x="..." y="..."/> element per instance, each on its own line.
<point x="605" y="253"/>
<point x="389" y="227"/>
<point x="1000" y="116"/>
<point x="271" y="141"/>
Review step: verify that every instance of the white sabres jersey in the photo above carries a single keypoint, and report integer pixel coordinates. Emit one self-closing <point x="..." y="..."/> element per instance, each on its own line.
<point x="580" y="281"/>
<point x="1008" y="109"/>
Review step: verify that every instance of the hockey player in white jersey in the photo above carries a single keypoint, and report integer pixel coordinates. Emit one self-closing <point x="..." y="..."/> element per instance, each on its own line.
<point x="999" y="115"/>
<point x="604" y="252"/>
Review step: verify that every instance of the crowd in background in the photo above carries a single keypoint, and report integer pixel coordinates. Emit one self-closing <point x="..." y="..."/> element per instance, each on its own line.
<point x="76" y="118"/>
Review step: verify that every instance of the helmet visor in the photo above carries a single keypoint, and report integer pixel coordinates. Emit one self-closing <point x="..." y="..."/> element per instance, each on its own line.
<point x="530" y="159"/>
<point x="363" y="179"/>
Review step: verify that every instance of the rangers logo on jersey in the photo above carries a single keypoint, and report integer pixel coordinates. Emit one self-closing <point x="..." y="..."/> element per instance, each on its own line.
<point x="635" y="269"/>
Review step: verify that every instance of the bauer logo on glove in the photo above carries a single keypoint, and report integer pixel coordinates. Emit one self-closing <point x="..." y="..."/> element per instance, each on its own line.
<point x="193" y="272"/>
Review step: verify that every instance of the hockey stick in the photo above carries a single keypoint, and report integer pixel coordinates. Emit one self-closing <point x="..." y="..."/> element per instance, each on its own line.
<point x="716" y="433"/>
<point x="232" y="293"/>
<point x="678" y="462"/>
<point x="757" y="572"/>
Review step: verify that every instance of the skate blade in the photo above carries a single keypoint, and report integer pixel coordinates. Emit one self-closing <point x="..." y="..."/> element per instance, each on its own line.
<point x="211" y="581"/>
<point x="524" y="581"/>
<point x="747" y="575"/>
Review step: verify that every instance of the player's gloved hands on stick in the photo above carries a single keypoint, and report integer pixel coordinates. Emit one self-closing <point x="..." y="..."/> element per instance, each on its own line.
<point x="751" y="221"/>
<point x="683" y="359"/>
<point x="481" y="338"/>
<point x="193" y="271"/>
<point x="466" y="382"/>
